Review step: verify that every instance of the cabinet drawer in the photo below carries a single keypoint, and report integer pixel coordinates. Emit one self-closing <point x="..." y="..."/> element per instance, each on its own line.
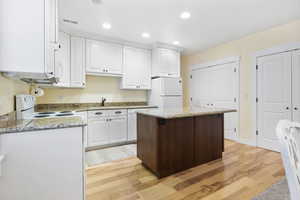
<point x="115" y="113"/>
<point x="98" y="113"/>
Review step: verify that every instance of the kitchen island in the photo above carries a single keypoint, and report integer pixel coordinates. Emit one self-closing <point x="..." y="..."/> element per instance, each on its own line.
<point x="173" y="140"/>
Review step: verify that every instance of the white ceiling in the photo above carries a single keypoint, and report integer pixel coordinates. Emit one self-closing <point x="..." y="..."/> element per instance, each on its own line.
<point x="212" y="21"/>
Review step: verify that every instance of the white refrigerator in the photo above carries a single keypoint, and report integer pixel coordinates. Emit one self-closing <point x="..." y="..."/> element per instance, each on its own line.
<point x="166" y="92"/>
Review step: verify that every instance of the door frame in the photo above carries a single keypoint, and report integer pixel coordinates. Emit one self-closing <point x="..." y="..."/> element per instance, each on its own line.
<point x="226" y="60"/>
<point x="255" y="56"/>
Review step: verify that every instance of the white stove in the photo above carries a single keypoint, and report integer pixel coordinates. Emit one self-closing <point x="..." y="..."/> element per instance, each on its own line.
<point x="25" y="109"/>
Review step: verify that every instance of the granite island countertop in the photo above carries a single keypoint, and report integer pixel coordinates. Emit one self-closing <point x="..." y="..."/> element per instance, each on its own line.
<point x="16" y="126"/>
<point x="171" y="113"/>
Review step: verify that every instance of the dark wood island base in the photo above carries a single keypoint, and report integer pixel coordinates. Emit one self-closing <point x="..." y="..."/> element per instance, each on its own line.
<point x="168" y="146"/>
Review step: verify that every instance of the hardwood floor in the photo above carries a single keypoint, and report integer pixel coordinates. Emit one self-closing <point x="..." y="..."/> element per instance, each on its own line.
<point x="243" y="173"/>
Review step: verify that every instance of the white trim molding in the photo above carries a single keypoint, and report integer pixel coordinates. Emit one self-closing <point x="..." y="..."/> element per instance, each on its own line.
<point x="277" y="49"/>
<point x="217" y="62"/>
<point x="255" y="56"/>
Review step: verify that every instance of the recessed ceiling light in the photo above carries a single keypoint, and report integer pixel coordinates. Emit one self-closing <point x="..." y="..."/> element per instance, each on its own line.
<point x="185" y="15"/>
<point x="176" y="42"/>
<point x="145" y="35"/>
<point x="106" y="25"/>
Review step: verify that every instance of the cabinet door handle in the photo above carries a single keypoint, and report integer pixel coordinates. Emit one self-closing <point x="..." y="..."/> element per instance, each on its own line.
<point x="98" y="113"/>
<point x="118" y="112"/>
<point x="287" y="108"/>
<point x="295" y="108"/>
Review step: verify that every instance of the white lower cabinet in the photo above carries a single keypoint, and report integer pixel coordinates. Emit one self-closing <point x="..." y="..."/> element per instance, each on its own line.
<point x="132" y="123"/>
<point x="45" y="164"/>
<point x="107" y="127"/>
<point x="98" y="132"/>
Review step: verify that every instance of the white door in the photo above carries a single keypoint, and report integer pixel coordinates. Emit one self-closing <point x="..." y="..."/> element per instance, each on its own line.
<point x="98" y="132"/>
<point x="145" y="72"/>
<point x="274" y="96"/>
<point x="118" y="129"/>
<point x="114" y="58"/>
<point x="104" y="57"/>
<point x="218" y="86"/>
<point x="296" y="85"/>
<point x="169" y="62"/>
<point x="77" y="62"/>
<point x="62" y="60"/>
<point x="137" y="69"/>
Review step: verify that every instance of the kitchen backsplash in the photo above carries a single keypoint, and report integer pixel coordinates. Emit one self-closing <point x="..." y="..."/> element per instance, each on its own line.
<point x="8" y="89"/>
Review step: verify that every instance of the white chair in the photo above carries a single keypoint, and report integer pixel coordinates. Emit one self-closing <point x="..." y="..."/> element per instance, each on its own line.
<point x="289" y="138"/>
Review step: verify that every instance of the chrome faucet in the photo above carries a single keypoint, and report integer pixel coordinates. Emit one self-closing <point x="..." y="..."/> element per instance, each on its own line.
<point x="103" y="101"/>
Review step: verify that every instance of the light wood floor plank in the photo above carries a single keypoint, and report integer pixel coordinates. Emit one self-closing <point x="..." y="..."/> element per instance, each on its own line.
<point x="243" y="173"/>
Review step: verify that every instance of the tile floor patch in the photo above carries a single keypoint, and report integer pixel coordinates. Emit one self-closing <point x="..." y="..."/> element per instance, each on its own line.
<point x="101" y="156"/>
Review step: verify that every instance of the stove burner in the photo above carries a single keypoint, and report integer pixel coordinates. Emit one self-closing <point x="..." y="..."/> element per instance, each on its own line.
<point x="41" y="116"/>
<point x="45" y="113"/>
<point x="64" y="114"/>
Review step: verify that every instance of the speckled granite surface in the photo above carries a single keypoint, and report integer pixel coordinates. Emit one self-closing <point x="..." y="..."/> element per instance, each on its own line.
<point x="11" y="125"/>
<point x="91" y="106"/>
<point x="185" y="112"/>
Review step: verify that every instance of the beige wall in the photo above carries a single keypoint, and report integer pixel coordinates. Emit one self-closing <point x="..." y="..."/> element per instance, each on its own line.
<point x="8" y="89"/>
<point x="96" y="87"/>
<point x="243" y="47"/>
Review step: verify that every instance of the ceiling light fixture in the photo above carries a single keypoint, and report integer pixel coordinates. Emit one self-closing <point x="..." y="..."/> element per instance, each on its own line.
<point x="106" y="25"/>
<point x="145" y="35"/>
<point x="185" y="15"/>
<point x="176" y="42"/>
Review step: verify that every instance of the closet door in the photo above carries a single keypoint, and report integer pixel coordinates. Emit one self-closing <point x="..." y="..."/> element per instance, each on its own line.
<point x="296" y="85"/>
<point x="217" y="86"/>
<point x="274" y="97"/>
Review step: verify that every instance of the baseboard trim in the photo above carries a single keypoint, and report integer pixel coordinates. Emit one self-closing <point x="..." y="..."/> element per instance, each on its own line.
<point x="246" y="141"/>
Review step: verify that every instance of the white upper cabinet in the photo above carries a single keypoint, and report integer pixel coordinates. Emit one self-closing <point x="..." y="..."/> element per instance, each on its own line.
<point x="166" y="62"/>
<point x="136" y="69"/>
<point x="62" y="61"/>
<point x="103" y="58"/>
<point x="28" y="37"/>
<point x="77" y="78"/>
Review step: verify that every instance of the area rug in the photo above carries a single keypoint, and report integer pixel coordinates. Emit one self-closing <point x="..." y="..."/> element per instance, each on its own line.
<point x="278" y="191"/>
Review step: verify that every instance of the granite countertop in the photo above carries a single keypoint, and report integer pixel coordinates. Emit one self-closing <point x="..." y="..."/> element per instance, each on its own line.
<point x="119" y="107"/>
<point x="15" y="126"/>
<point x="185" y="112"/>
<point x="89" y="107"/>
